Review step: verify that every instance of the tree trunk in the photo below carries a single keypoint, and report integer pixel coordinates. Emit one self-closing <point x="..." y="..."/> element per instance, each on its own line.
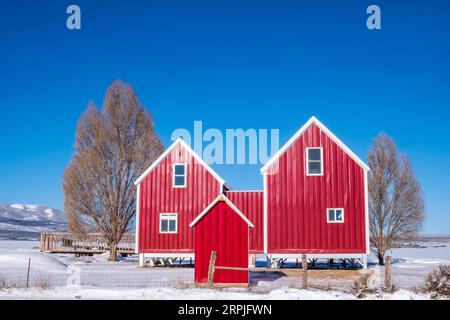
<point x="381" y="258"/>
<point x="112" y="252"/>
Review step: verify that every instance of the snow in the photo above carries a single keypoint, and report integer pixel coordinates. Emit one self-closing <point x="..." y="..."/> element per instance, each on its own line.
<point x="49" y="212"/>
<point x="195" y="294"/>
<point x="31" y="207"/>
<point x="69" y="277"/>
<point x="17" y="206"/>
<point x="16" y="227"/>
<point x="28" y="207"/>
<point x="411" y="265"/>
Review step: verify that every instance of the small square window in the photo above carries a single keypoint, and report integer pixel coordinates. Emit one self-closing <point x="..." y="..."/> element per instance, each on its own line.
<point x="314" y="162"/>
<point x="168" y="223"/>
<point x="179" y="175"/>
<point x="335" y="215"/>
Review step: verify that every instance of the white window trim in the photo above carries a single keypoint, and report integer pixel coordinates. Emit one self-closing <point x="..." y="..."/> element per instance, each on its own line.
<point x="171" y="214"/>
<point x="173" y="175"/>
<point x="335" y="221"/>
<point x="307" y="161"/>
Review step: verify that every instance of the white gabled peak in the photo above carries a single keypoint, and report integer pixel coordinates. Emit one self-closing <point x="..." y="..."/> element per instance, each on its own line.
<point x="314" y="120"/>
<point x="167" y="152"/>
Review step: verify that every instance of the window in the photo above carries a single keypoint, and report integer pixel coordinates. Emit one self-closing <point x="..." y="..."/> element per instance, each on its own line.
<point x="179" y="175"/>
<point x="314" y="163"/>
<point x="168" y="223"/>
<point x="335" y="215"/>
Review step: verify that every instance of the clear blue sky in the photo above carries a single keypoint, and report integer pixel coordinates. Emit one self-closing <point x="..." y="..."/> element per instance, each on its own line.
<point x="231" y="64"/>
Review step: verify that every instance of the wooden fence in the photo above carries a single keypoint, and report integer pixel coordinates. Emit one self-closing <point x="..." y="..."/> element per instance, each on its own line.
<point x="93" y="243"/>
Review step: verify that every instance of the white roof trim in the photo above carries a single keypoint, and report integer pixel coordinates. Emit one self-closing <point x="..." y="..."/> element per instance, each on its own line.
<point x="327" y="132"/>
<point x="168" y="150"/>
<point x="221" y="197"/>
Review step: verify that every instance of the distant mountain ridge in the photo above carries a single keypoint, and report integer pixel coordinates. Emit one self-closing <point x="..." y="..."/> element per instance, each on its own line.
<point x="27" y="221"/>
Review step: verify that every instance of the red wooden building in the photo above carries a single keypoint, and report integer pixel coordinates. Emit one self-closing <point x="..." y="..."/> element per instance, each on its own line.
<point x="223" y="228"/>
<point x="315" y="198"/>
<point x="172" y="192"/>
<point x="314" y="202"/>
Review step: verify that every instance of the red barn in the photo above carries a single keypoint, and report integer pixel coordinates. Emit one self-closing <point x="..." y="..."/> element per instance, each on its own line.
<point x="223" y="228"/>
<point x="314" y="202"/>
<point x="315" y="198"/>
<point x="170" y="194"/>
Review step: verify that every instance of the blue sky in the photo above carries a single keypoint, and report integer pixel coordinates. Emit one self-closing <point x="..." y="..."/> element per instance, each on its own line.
<point x="231" y="64"/>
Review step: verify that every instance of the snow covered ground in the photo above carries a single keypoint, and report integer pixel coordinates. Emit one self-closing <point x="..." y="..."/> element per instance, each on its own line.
<point x="69" y="277"/>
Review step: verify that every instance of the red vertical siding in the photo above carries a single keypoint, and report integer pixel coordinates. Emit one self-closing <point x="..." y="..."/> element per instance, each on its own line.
<point x="158" y="196"/>
<point x="251" y="204"/>
<point x="297" y="204"/>
<point x="225" y="232"/>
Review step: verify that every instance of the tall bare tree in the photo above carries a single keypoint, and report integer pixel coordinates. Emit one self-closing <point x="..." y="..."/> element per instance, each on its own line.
<point x="396" y="205"/>
<point x="113" y="147"/>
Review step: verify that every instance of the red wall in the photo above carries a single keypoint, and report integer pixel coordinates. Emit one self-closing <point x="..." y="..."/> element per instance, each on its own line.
<point x="224" y="231"/>
<point x="251" y="205"/>
<point x="297" y="217"/>
<point x="158" y="196"/>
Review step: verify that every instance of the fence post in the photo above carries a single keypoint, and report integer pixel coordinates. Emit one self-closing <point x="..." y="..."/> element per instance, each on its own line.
<point x="305" y="272"/>
<point x="212" y="264"/>
<point x="388" y="274"/>
<point x="28" y="272"/>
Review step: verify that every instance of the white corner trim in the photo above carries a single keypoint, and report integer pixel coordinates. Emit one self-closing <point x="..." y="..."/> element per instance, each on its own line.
<point x="265" y="201"/>
<point x="138" y="203"/>
<point x="327" y="132"/>
<point x="168" y="150"/>
<point x="366" y="208"/>
<point x="221" y="197"/>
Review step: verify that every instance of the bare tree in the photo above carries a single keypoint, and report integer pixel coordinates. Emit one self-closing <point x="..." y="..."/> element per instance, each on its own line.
<point x="396" y="205"/>
<point x="113" y="147"/>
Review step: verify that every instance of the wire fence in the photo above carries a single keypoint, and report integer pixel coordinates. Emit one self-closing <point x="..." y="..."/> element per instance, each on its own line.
<point x="103" y="274"/>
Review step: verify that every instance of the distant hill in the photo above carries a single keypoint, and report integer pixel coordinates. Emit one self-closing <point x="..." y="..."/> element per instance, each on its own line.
<point x="27" y="221"/>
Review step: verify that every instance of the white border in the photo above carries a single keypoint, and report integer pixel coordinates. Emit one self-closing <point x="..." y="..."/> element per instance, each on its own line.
<point x="176" y="222"/>
<point x="336" y="221"/>
<point x="174" y="175"/>
<point x="307" y="161"/>
<point x="192" y="152"/>
<point x="221" y="197"/>
<point x="265" y="201"/>
<point x="327" y="132"/>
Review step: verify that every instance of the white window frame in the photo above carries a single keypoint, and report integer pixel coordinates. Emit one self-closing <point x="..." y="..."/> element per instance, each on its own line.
<point x="179" y="175"/>
<point x="307" y="161"/>
<point x="172" y="216"/>
<point x="335" y="221"/>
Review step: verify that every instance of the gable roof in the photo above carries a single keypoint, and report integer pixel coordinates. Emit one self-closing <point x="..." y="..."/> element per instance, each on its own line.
<point x="221" y="197"/>
<point x="167" y="152"/>
<point x="314" y="120"/>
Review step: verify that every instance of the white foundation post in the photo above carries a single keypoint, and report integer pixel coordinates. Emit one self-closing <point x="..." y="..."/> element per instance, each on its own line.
<point x="251" y="260"/>
<point x="141" y="259"/>
<point x="364" y="261"/>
